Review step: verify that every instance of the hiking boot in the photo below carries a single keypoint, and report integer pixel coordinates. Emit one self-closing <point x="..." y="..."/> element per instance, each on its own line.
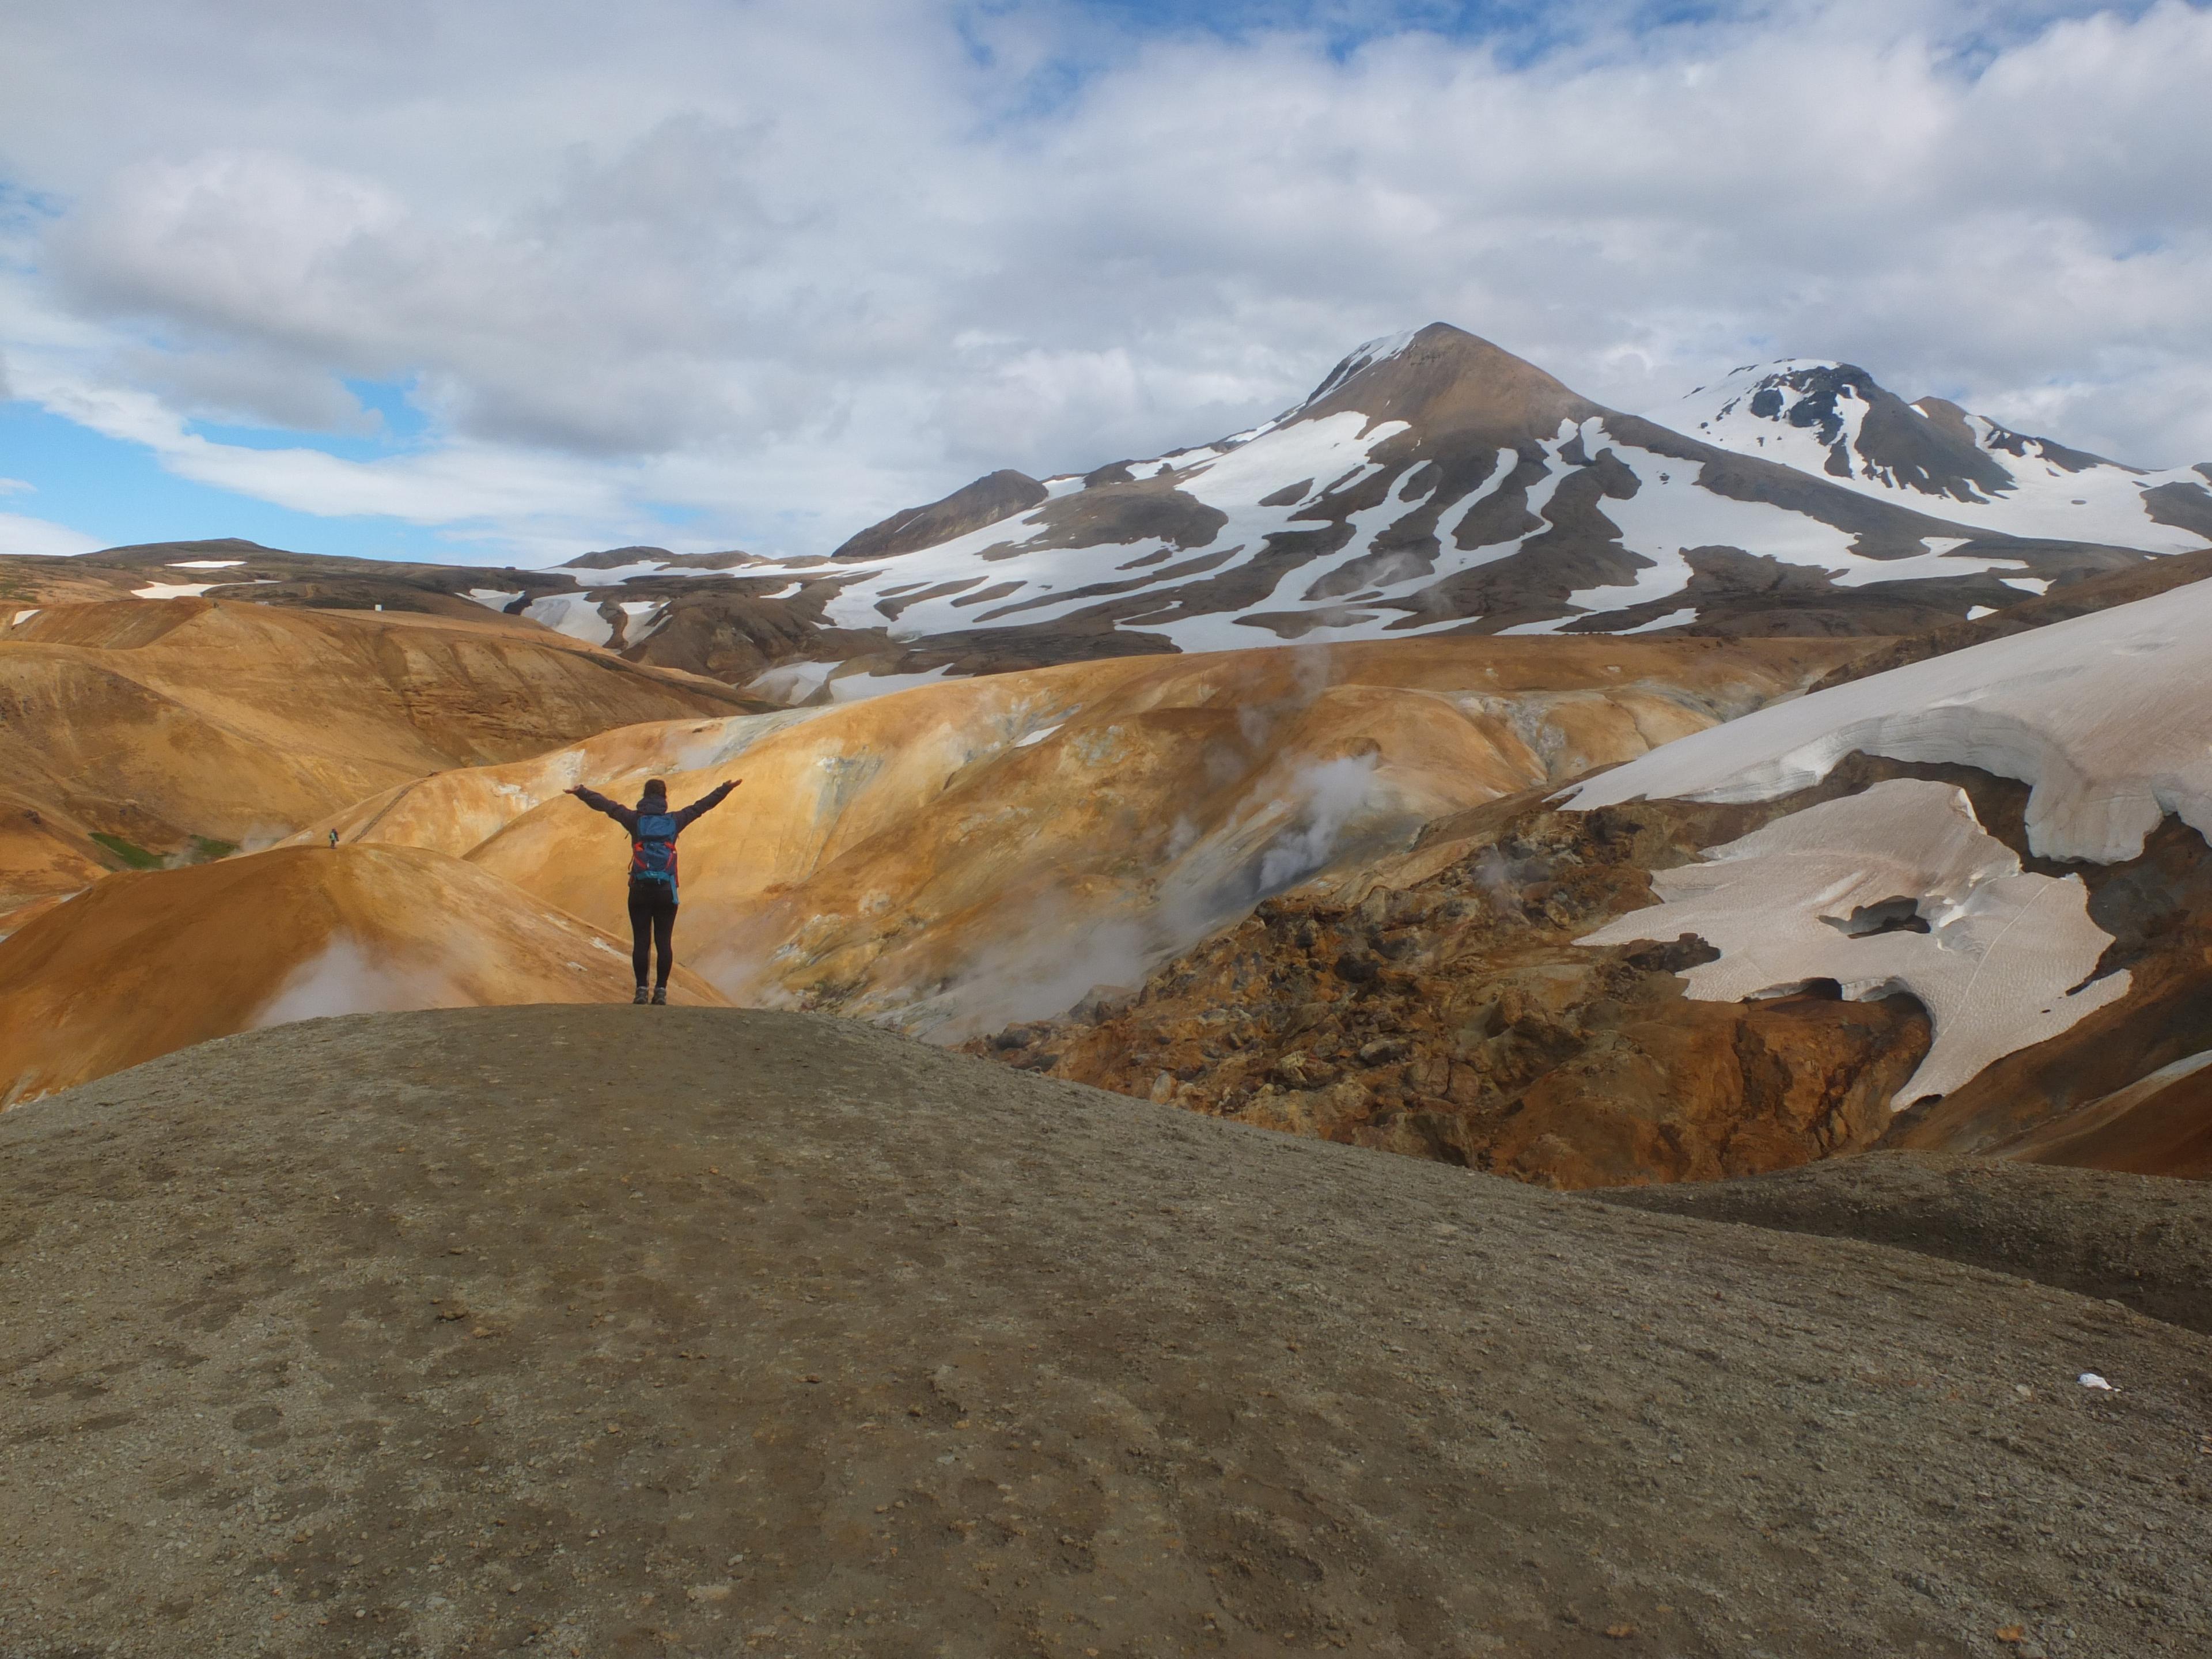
<point x="640" y="998"/>
<point x="660" y="996"/>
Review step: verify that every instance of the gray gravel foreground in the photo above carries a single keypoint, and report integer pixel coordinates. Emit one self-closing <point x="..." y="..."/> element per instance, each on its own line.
<point x="627" y="1331"/>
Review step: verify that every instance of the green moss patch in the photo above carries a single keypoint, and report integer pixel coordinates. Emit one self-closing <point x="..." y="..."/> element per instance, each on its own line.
<point x="136" y="856"/>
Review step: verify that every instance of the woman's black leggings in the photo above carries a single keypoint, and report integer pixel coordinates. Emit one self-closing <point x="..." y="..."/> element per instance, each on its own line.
<point x="651" y="921"/>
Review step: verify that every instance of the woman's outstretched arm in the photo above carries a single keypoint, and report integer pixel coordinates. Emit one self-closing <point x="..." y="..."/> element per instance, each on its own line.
<point x="707" y="802"/>
<point x="600" y="803"/>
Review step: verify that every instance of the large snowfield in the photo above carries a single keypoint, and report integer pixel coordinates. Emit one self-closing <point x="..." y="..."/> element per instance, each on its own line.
<point x="2103" y="716"/>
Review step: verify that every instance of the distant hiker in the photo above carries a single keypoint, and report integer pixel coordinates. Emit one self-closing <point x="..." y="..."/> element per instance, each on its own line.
<point x="653" y="832"/>
<point x="334" y="838"/>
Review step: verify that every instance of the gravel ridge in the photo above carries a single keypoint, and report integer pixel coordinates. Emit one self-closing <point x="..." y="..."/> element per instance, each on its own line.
<point x="615" y="1331"/>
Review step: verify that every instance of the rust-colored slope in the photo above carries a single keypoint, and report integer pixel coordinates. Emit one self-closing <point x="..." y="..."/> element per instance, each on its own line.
<point x="159" y="722"/>
<point x="45" y="852"/>
<point x="1445" y="1004"/>
<point x="2161" y="1125"/>
<point x="984" y="849"/>
<point x="148" y="962"/>
<point x="1438" y="1005"/>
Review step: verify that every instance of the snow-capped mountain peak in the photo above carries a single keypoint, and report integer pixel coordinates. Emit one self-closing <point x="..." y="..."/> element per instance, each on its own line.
<point x="1366" y="356"/>
<point x="1834" y="419"/>
<point x="1433" y="482"/>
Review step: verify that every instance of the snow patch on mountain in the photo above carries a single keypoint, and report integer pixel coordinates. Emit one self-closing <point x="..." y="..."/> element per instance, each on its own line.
<point x="1020" y="571"/>
<point x="1898" y="888"/>
<point x="1031" y="581"/>
<point x="2102" y="715"/>
<point x="184" y="590"/>
<point x="1365" y="356"/>
<point x="642" y="619"/>
<point x="578" y="619"/>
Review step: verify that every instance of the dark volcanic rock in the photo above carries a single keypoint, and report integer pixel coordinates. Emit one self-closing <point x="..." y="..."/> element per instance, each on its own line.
<point x="614" y="558"/>
<point x="1109" y="514"/>
<point x="971" y="506"/>
<point x="2186" y="506"/>
<point x="1454" y="1017"/>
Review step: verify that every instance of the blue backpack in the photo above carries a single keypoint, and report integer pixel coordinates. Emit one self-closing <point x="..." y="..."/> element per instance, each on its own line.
<point x="653" y="849"/>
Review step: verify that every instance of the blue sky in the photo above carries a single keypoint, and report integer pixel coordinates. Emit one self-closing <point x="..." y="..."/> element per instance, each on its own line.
<point x="117" y="493"/>
<point x="515" y="280"/>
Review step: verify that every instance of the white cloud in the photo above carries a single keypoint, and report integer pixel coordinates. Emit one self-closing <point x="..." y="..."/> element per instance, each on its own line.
<point x="793" y="264"/>
<point x="461" y="481"/>
<point x="38" y="539"/>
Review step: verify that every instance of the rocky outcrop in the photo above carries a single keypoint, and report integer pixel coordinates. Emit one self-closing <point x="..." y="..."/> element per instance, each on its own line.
<point x="735" y="632"/>
<point x="1438" y="1004"/>
<point x="1446" y="1011"/>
